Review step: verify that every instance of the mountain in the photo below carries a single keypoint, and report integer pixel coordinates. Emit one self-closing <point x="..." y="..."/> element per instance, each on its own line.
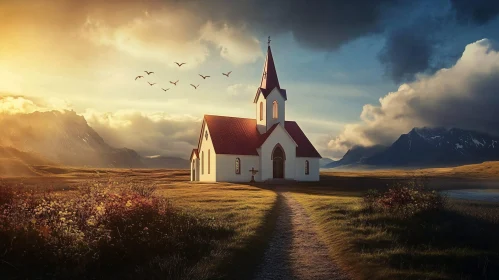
<point x="162" y="162"/>
<point x="357" y="155"/>
<point x="66" y="138"/>
<point x="423" y="147"/>
<point x="325" y="161"/>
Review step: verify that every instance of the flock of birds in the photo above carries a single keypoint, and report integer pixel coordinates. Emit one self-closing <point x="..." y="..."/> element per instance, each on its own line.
<point x="175" y="83"/>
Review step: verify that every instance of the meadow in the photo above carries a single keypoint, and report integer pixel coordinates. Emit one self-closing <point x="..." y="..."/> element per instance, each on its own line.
<point x="130" y="224"/>
<point x="84" y="223"/>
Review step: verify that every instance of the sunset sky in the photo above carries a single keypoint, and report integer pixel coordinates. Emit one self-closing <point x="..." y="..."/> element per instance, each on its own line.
<point x="357" y="72"/>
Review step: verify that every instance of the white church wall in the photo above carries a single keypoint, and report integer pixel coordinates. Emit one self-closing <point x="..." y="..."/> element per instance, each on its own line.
<point x="313" y="169"/>
<point x="275" y="95"/>
<point x="207" y="145"/>
<point x="226" y="168"/>
<point x="278" y="136"/>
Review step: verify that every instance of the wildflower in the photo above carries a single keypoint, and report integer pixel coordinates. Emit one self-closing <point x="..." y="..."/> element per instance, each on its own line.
<point x="128" y="204"/>
<point x="33" y="221"/>
<point x="63" y="219"/>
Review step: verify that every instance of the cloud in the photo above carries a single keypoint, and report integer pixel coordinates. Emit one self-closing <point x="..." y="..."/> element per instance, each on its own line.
<point x="241" y="90"/>
<point x="12" y="104"/>
<point x="476" y="11"/>
<point x="148" y="134"/>
<point x="464" y="96"/>
<point x="235" y="46"/>
<point x="406" y="53"/>
<point x="91" y="31"/>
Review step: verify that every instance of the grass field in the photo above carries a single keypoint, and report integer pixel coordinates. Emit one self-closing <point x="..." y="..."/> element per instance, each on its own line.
<point x="244" y="213"/>
<point x="459" y="242"/>
<point x="234" y="223"/>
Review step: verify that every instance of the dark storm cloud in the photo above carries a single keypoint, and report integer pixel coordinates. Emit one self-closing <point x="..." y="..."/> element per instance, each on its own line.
<point x="321" y="24"/>
<point x="406" y="53"/>
<point x="475" y="11"/>
<point x="464" y="96"/>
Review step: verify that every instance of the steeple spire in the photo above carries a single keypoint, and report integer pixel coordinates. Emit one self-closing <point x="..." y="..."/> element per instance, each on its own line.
<point x="269" y="77"/>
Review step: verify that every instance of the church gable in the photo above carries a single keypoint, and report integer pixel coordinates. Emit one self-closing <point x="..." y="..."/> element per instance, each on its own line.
<point x="277" y="132"/>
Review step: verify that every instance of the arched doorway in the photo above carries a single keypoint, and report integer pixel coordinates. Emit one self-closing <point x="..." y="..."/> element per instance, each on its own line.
<point x="278" y="158"/>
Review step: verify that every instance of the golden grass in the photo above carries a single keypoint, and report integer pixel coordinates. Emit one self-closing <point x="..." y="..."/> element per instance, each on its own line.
<point x="458" y="243"/>
<point x="485" y="170"/>
<point x="247" y="210"/>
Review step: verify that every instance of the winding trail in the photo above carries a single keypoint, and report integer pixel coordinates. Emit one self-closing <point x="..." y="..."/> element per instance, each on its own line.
<point x="295" y="250"/>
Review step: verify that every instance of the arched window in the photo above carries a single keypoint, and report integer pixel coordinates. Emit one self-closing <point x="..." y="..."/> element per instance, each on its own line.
<point x="307" y="167"/>
<point x="238" y="166"/>
<point x="202" y="162"/>
<point x="274" y="110"/>
<point x="261" y="111"/>
<point x="209" y="161"/>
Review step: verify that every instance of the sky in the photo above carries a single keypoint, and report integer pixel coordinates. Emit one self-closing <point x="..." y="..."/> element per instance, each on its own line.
<point x="357" y="72"/>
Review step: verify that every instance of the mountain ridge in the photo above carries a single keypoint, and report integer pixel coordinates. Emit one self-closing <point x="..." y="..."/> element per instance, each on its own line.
<point x="65" y="138"/>
<point x="427" y="147"/>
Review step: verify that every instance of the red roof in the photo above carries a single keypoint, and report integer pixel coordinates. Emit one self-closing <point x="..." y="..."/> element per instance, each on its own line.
<point x="195" y="152"/>
<point x="305" y="147"/>
<point x="234" y="136"/>
<point x="239" y="136"/>
<point x="269" y="78"/>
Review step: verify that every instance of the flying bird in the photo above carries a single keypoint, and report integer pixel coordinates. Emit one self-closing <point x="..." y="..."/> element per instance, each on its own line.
<point x="151" y="84"/>
<point x="227" y="74"/>
<point x="149" y="73"/>
<point x="138" y="77"/>
<point x="204" y="77"/>
<point x="180" y="64"/>
<point x="195" y="87"/>
<point x="174" y="83"/>
<point x="165" y="89"/>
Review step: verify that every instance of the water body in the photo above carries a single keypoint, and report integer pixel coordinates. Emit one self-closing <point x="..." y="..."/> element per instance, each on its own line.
<point x="488" y="195"/>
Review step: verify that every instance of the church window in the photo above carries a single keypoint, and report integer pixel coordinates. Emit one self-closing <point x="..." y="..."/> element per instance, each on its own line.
<point x="202" y="162"/>
<point x="206" y="135"/>
<point x="238" y="166"/>
<point x="261" y="111"/>
<point x="274" y="110"/>
<point x="306" y="167"/>
<point x="209" y="161"/>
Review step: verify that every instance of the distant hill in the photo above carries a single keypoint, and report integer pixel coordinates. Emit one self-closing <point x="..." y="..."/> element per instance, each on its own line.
<point x="425" y="147"/>
<point x="65" y="138"/>
<point x="323" y="162"/>
<point x="357" y="155"/>
<point x="162" y="162"/>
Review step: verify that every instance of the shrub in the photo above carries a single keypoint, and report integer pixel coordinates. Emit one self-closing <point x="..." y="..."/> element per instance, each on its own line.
<point x="405" y="198"/>
<point x="103" y="231"/>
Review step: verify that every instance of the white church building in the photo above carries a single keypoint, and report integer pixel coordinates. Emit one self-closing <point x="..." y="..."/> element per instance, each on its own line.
<point x="232" y="149"/>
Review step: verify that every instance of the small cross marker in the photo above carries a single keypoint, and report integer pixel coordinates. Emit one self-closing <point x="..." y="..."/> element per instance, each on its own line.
<point x="253" y="172"/>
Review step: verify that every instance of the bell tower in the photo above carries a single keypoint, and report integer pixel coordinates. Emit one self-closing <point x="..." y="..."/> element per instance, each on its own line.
<point x="270" y="98"/>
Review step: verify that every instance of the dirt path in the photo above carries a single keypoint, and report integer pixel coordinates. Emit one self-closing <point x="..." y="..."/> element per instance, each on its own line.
<point x="295" y="251"/>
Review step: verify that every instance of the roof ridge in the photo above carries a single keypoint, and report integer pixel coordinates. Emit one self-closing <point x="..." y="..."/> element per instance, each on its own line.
<point x="207" y="115"/>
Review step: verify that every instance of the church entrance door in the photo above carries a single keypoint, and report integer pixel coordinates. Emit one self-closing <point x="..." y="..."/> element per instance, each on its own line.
<point x="278" y="158"/>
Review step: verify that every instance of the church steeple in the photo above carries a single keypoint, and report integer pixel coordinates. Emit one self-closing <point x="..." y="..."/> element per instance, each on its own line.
<point x="269" y="76"/>
<point x="270" y="98"/>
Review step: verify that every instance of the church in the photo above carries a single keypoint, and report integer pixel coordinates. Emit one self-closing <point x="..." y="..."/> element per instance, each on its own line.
<point x="267" y="147"/>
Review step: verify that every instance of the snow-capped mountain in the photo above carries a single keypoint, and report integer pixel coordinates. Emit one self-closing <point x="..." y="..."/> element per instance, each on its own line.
<point x="438" y="147"/>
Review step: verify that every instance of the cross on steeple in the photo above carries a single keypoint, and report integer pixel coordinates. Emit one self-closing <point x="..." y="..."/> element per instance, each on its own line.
<point x="268" y="41"/>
